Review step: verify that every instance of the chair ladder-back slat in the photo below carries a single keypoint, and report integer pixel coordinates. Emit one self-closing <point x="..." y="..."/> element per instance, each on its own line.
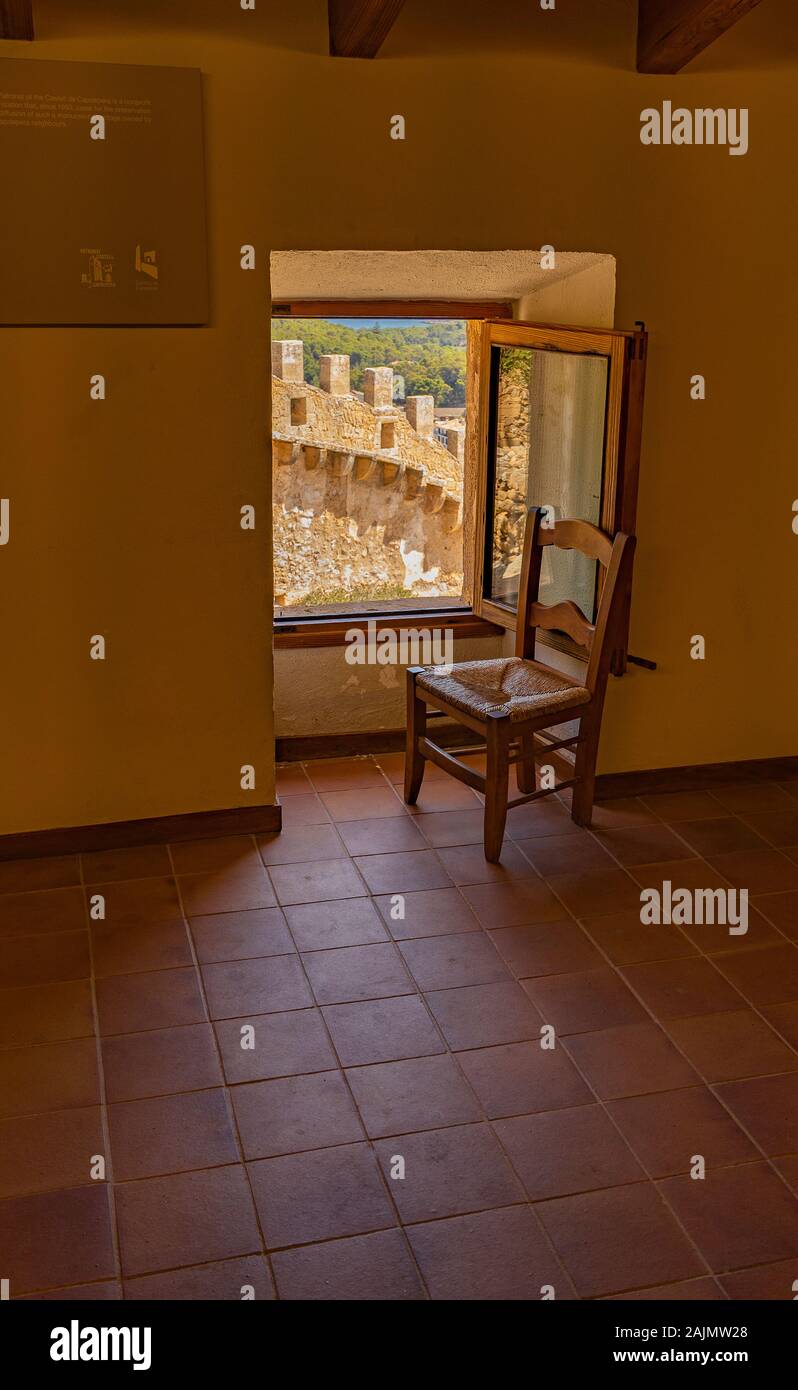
<point x="565" y="616"/>
<point x="578" y="535"/>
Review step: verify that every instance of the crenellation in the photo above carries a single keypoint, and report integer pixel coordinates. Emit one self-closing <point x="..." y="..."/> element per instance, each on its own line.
<point x="420" y="411"/>
<point x="378" y="387"/>
<point x="288" y="359"/>
<point x="334" y="373"/>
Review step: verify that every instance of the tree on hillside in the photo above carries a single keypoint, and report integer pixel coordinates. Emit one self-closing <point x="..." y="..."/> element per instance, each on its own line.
<point x="429" y="354"/>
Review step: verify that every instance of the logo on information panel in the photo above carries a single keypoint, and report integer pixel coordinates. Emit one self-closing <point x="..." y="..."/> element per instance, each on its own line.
<point x="146" y="267"/>
<point x="98" y="269"/>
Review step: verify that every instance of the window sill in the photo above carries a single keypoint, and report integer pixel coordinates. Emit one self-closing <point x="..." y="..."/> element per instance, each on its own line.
<point x="332" y="632"/>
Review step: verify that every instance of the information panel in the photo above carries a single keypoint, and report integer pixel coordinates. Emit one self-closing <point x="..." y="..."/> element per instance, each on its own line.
<point x="103" y="218"/>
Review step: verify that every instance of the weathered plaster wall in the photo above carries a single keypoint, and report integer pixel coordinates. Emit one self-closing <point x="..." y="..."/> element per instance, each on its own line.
<point x="584" y="297"/>
<point x="343" y="698"/>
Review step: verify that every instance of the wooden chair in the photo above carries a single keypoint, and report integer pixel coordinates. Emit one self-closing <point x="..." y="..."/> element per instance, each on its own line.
<point x="512" y="701"/>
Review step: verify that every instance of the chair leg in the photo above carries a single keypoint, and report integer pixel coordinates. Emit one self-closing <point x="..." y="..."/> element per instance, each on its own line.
<point x="585" y="772"/>
<point x="496" y="778"/>
<point x="416" y="729"/>
<point x="525" y="771"/>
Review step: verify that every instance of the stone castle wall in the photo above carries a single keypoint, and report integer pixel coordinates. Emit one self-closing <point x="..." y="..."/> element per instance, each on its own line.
<point x="512" y="457"/>
<point x="363" y="498"/>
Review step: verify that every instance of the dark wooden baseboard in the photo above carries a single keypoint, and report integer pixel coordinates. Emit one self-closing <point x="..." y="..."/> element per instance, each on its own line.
<point x="646" y="782"/>
<point x="296" y="750"/>
<point x="249" y="820"/>
<point x="695" y="777"/>
<point x="196" y="825"/>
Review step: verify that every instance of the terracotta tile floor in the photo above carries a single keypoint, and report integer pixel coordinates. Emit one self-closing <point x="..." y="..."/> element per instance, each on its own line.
<point x="312" y="1062"/>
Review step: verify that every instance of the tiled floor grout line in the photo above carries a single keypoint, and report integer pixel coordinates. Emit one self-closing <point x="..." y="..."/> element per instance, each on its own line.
<point x="171" y="1269"/>
<point x="711" y="1086"/>
<point x="104" y="1112"/>
<point x="367" y="1137"/>
<point x="673" y="827"/>
<point x="230" y="1108"/>
<point x="695" y="951"/>
<point x="417" y="1057"/>
<point x="735" y="1120"/>
<point x="320" y="1014"/>
<point x="698" y="948"/>
<point x="209" y="1264"/>
<point x="615" y="970"/>
<point x="485" y="1117"/>
<point x="518" y="840"/>
<point x="627" y="1144"/>
<point x="406" y="1134"/>
<point x="420" y="994"/>
<point x="723" y="814"/>
<point x="746" y="1003"/>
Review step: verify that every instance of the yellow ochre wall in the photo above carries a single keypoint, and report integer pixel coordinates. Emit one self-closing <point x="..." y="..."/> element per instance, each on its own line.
<point x="522" y="128"/>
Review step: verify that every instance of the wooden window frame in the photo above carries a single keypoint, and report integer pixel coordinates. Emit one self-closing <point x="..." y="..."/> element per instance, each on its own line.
<point x="332" y="631"/>
<point x="327" y="630"/>
<point x="499" y="309"/>
<point x="626" y="352"/>
<point x="491" y="324"/>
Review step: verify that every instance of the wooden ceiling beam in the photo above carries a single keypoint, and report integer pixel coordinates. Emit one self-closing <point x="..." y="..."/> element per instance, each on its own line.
<point x="358" y="28"/>
<point x="16" y="19"/>
<point x="672" y="32"/>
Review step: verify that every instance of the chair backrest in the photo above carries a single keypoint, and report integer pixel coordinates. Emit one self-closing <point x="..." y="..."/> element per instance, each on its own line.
<point x="602" y="637"/>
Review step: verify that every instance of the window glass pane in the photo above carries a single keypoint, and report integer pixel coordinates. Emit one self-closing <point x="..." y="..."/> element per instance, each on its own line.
<point x="548" y="451"/>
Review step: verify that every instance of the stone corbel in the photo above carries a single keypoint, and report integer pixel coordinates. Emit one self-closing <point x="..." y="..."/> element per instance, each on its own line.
<point x="451" y="513"/>
<point x="364" y="468"/>
<point x="315" y="455"/>
<point x="433" y="498"/>
<point x="340" y="462"/>
<point x="285" y="451"/>
<point x="392" y="472"/>
<point x="413" y="482"/>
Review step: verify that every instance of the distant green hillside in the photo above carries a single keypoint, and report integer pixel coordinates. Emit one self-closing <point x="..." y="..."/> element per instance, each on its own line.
<point x="431" y="356"/>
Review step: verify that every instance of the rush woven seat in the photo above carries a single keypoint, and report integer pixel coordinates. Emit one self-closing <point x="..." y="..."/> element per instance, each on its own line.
<point x="516" y="701"/>
<point x="507" y="685"/>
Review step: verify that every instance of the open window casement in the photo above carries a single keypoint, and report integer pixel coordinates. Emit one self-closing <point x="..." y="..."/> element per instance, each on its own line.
<point x="560" y="413"/>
